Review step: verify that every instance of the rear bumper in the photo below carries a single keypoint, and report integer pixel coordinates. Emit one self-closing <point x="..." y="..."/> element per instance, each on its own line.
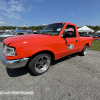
<point x="13" y="63"/>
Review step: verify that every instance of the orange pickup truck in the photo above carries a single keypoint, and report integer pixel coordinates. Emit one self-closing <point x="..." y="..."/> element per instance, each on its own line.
<point x="38" y="50"/>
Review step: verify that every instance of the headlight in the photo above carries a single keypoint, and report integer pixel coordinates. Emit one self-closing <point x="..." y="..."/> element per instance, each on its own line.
<point x="8" y="51"/>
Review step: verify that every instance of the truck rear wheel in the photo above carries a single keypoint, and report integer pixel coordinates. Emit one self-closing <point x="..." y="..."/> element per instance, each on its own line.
<point x="84" y="51"/>
<point x="40" y="63"/>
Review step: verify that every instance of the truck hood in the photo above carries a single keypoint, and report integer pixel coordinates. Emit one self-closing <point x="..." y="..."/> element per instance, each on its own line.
<point x="9" y="40"/>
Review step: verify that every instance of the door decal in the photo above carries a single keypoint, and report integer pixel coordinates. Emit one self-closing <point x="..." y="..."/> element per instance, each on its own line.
<point x="70" y="46"/>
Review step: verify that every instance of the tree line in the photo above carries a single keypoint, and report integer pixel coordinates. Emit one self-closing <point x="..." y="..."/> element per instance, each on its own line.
<point x="22" y="28"/>
<point x="95" y="28"/>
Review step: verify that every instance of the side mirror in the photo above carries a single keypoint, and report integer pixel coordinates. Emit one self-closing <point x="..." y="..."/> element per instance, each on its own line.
<point x="67" y="34"/>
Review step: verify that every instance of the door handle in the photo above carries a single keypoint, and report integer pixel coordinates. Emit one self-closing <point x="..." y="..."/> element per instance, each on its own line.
<point x="76" y="40"/>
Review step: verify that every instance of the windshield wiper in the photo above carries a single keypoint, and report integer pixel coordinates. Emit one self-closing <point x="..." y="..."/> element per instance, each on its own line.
<point x="46" y="34"/>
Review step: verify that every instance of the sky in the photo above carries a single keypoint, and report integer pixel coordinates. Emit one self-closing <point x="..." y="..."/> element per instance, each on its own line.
<point x="39" y="12"/>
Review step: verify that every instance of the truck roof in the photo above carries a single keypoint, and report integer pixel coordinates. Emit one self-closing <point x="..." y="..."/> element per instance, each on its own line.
<point x="65" y="23"/>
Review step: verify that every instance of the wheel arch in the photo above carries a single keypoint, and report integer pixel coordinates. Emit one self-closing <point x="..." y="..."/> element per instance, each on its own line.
<point x="87" y="44"/>
<point x="45" y="51"/>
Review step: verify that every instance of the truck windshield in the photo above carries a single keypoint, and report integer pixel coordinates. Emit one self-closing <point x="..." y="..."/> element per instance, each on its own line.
<point x="52" y="29"/>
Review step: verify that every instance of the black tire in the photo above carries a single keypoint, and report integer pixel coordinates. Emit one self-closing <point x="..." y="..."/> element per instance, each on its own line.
<point x="84" y="51"/>
<point x="40" y="63"/>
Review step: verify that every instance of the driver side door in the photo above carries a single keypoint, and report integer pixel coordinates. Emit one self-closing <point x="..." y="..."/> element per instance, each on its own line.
<point x="69" y="45"/>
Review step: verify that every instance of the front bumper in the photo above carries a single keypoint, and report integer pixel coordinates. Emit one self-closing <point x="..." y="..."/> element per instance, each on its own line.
<point x="13" y="63"/>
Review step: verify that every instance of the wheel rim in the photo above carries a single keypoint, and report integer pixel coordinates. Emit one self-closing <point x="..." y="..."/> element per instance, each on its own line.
<point x="42" y="64"/>
<point x="85" y="51"/>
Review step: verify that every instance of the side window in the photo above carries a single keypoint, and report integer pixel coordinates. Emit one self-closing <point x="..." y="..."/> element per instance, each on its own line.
<point x="71" y="30"/>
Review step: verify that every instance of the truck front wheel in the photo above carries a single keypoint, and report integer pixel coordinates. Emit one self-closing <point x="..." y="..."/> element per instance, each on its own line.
<point x="40" y="63"/>
<point x="84" y="51"/>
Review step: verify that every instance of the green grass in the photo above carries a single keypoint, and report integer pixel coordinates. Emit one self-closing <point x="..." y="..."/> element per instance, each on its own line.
<point x="95" y="45"/>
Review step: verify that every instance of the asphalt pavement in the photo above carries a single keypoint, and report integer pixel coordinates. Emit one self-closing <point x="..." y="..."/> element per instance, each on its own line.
<point x="71" y="78"/>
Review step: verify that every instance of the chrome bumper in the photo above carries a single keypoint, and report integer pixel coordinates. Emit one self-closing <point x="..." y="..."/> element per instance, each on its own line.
<point x="13" y="63"/>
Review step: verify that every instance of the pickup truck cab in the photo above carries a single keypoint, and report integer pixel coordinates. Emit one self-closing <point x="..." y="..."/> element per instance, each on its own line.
<point x="38" y="50"/>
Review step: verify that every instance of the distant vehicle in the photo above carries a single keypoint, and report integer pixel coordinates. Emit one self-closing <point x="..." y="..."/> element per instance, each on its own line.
<point x="6" y="35"/>
<point x="82" y="34"/>
<point x="3" y="36"/>
<point x="20" y="33"/>
<point x="85" y="35"/>
<point x="39" y="31"/>
<point x="28" y="33"/>
<point x="1" y="32"/>
<point x="88" y="35"/>
<point x="96" y="38"/>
